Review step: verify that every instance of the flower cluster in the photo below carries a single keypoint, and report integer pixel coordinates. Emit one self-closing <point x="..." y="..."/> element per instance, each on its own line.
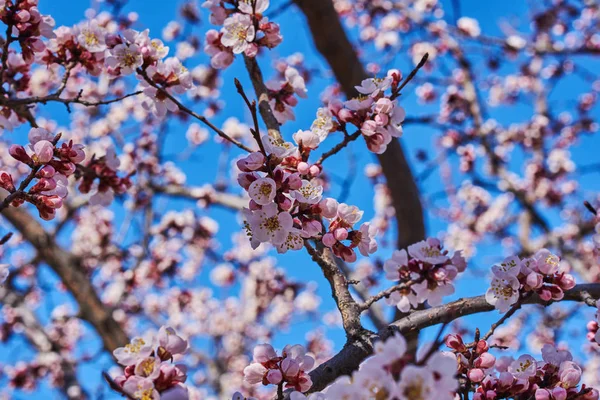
<point x="593" y="327"/>
<point x="376" y="114"/>
<point x="281" y="94"/>
<point x="291" y="368"/>
<point x="539" y="274"/>
<point x="387" y="374"/>
<point x="556" y="377"/>
<point x="426" y="275"/>
<point x="50" y="164"/>
<point x="244" y="30"/>
<point x="287" y="207"/>
<point x="104" y="169"/>
<point x="149" y="369"/>
<point x="28" y="26"/>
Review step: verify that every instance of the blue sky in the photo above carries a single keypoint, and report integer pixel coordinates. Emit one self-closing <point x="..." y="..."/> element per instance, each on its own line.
<point x="154" y="14"/>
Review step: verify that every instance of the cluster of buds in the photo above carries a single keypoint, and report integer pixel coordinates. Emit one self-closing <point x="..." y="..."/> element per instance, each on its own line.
<point x="50" y="164"/>
<point x="244" y="30"/>
<point x="556" y="377"/>
<point x="375" y="113"/>
<point x="593" y="334"/>
<point x="109" y="183"/>
<point x="150" y="372"/>
<point x="290" y="369"/>
<point x="288" y="206"/>
<point x="539" y="274"/>
<point x="426" y="271"/>
<point x="28" y="25"/>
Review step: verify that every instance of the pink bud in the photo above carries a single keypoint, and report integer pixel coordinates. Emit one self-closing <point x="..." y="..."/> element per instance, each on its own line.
<point x="77" y="154"/>
<point x="22" y="16"/>
<point x="592" y="326"/>
<point x="335" y="106"/>
<point x="315" y="170"/>
<point x="345" y="115"/>
<point x="534" y="280"/>
<point x="542" y="394"/>
<point x="252" y="162"/>
<point x="245" y="179"/>
<point x="328" y="207"/>
<point x="47" y="171"/>
<point x="545" y="294"/>
<point x="485" y="361"/>
<point x="559" y="393"/>
<point x="476" y="375"/>
<point x="347" y="254"/>
<point x="566" y="282"/>
<point x="312" y="227"/>
<point x="274" y="376"/>
<point x="284" y="202"/>
<point x="303" y="167"/>
<point x="482" y="347"/>
<point x="455" y="342"/>
<point x="328" y="239"/>
<point x="6" y="181"/>
<point x="294" y="181"/>
<point x="591" y="395"/>
<point x="44" y="151"/>
<point x="340" y="234"/>
<point x="52" y="201"/>
<point x="18" y="153"/>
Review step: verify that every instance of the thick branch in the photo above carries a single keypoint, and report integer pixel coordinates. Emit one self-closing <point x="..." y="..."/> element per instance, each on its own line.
<point x="354" y="352"/>
<point x="68" y="268"/>
<point x="331" y="41"/>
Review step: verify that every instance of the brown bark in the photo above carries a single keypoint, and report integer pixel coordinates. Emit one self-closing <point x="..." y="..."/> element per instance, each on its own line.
<point x="333" y="44"/>
<point x="68" y="268"/>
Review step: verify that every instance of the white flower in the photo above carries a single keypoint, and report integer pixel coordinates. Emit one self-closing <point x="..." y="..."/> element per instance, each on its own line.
<point x="260" y="6"/>
<point x="160" y="103"/>
<point x="309" y="193"/>
<point x="428" y="251"/>
<point x="92" y="36"/>
<point x="523" y="367"/>
<point x="126" y="57"/>
<point x="503" y="292"/>
<point x="469" y="26"/>
<point x="323" y="124"/>
<point x="268" y="225"/>
<point x="308" y="139"/>
<point x="278" y="147"/>
<point x="349" y="214"/>
<point x="374" y="86"/>
<point x="416" y="383"/>
<point x="238" y="32"/>
<point x="390" y="351"/>
<point x="296" y="81"/>
<point x="366" y="239"/>
<point x="393" y="266"/>
<point x="510" y="266"/>
<point x="262" y="191"/>
<point x="133" y="352"/>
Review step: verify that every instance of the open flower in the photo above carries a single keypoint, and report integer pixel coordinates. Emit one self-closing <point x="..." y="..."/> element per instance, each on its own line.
<point x="269" y="225"/>
<point x="262" y="191"/>
<point x="428" y="251"/>
<point x="503" y="292"/>
<point x="126" y="57"/>
<point x="238" y="32"/>
<point x="136" y="350"/>
<point x="309" y="193"/>
<point x="374" y="86"/>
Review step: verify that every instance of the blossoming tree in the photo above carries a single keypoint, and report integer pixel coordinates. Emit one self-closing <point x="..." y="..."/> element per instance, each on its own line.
<point x="116" y="280"/>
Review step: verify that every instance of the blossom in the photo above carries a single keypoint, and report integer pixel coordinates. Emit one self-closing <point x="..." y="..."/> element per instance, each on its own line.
<point x="323" y="124"/>
<point x="260" y="6"/>
<point x="309" y="193"/>
<point x="428" y="251"/>
<point x="374" y="86"/>
<point x="238" y="32"/>
<point x="170" y="341"/>
<point x="262" y="191"/>
<point x="510" y="266"/>
<point x="92" y="36"/>
<point x="503" y="292"/>
<point x="278" y="147"/>
<point x="349" y="215"/>
<point x="141" y="388"/>
<point x="366" y="239"/>
<point x="394" y="265"/>
<point x="136" y="350"/>
<point x="523" y="367"/>
<point x="416" y="383"/>
<point x="269" y="225"/>
<point x="125" y="57"/>
<point x="469" y="26"/>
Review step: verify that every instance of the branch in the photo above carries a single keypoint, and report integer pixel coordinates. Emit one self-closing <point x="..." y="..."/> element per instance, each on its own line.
<point x="339" y="289"/>
<point x="194" y="114"/>
<point x="68" y="268"/>
<point x="37" y="336"/>
<point x="333" y="44"/>
<point x="355" y="351"/>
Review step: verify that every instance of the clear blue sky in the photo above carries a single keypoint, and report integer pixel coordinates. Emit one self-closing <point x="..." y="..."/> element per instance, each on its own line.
<point x="154" y="14"/>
